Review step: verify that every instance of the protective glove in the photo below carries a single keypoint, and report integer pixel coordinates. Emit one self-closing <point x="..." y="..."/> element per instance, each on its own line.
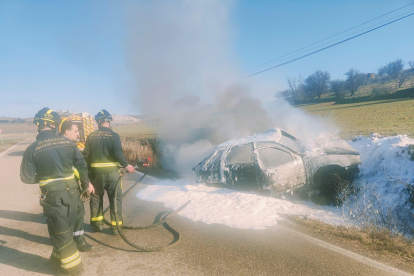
<point x="85" y="195"/>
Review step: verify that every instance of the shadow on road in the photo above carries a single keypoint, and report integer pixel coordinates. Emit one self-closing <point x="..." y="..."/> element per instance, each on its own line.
<point x="24" y="235"/>
<point x="22" y="216"/>
<point x="25" y="261"/>
<point x="16" y="153"/>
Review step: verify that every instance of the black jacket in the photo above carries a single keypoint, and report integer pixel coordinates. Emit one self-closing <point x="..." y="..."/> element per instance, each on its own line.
<point x="52" y="157"/>
<point x="104" y="147"/>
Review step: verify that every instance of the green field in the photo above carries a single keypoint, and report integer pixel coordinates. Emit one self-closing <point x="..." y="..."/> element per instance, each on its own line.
<point x="386" y="117"/>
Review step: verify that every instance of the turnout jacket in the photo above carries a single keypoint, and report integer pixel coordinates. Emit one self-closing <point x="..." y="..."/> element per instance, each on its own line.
<point x="103" y="151"/>
<point x="50" y="158"/>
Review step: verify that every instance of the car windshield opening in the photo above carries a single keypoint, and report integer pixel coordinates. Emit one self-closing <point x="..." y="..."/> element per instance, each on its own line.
<point x="290" y="143"/>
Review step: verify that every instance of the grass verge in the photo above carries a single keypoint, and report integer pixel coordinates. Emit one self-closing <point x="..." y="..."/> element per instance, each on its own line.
<point x="394" y="249"/>
<point x="7" y="143"/>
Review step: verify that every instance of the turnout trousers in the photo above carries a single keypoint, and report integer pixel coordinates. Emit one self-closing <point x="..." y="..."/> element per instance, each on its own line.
<point x="102" y="182"/>
<point x="61" y="209"/>
<point x="78" y="231"/>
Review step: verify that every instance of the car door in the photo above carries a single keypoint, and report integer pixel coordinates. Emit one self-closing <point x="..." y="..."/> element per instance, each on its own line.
<point x="240" y="168"/>
<point x="281" y="169"/>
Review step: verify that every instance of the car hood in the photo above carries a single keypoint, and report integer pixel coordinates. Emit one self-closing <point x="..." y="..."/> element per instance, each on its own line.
<point x="338" y="147"/>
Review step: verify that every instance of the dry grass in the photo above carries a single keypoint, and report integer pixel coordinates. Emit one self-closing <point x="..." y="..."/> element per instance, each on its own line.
<point x="136" y="130"/>
<point x="15" y="133"/>
<point x="139" y="148"/>
<point x="386" y="117"/>
<point x="7" y="143"/>
<point x="395" y="248"/>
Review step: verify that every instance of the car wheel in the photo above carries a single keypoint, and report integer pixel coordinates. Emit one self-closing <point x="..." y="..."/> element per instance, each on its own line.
<point x="332" y="181"/>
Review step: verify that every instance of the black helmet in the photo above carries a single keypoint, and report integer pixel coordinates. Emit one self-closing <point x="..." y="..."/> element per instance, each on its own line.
<point x="46" y="117"/>
<point x="103" y="116"/>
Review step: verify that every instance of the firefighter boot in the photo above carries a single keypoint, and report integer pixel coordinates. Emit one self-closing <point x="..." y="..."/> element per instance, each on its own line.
<point x="83" y="246"/>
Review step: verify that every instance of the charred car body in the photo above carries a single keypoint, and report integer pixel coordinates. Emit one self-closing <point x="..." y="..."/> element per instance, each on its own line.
<point x="277" y="161"/>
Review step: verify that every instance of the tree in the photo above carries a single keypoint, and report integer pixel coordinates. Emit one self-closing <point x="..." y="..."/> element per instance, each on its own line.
<point x="382" y="71"/>
<point x="394" y="68"/>
<point x="354" y="80"/>
<point x="317" y="84"/>
<point x="295" y="86"/>
<point x="402" y="77"/>
<point x="411" y="63"/>
<point x="338" y="88"/>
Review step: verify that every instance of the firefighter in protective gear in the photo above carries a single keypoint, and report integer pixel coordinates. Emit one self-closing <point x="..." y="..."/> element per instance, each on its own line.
<point x="103" y="153"/>
<point x="70" y="130"/>
<point x="49" y="162"/>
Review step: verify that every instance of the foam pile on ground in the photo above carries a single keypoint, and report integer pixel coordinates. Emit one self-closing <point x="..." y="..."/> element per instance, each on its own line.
<point x="384" y="186"/>
<point x="232" y="208"/>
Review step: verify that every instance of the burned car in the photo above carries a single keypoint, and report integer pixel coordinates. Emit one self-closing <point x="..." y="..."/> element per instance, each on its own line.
<point x="278" y="162"/>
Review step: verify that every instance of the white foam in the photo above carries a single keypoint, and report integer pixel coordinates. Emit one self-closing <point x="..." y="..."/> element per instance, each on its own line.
<point x="386" y="170"/>
<point x="231" y="208"/>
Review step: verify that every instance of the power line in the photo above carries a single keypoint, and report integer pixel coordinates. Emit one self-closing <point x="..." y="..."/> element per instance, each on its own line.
<point x="272" y="60"/>
<point x="332" y="45"/>
<point x="194" y="92"/>
<point x="369" y="27"/>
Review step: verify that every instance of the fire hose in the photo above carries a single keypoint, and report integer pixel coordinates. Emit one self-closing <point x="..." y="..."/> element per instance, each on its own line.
<point x="162" y="221"/>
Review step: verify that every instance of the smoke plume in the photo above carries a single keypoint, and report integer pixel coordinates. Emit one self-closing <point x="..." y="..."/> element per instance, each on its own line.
<point x="182" y="50"/>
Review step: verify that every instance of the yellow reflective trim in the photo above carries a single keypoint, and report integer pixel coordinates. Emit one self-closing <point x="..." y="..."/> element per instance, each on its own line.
<point x="102" y="165"/>
<point x="101" y="111"/>
<point x="75" y="262"/>
<point x="97" y="218"/>
<point x="70" y="258"/>
<point x="49" y="111"/>
<point x="47" y="181"/>
<point x="76" y="173"/>
<point x="114" y="223"/>
<point x="44" y="119"/>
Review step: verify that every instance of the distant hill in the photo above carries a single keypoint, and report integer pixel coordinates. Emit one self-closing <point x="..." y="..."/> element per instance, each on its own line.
<point x="9" y="120"/>
<point x="124" y="120"/>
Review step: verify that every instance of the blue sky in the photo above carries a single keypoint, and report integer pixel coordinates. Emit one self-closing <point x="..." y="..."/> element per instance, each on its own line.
<point x="71" y="54"/>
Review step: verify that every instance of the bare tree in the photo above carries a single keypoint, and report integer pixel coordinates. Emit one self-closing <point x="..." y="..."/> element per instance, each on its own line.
<point x="411" y="63"/>
<point x="402" y="77"/>
<point x="394" y="68"/>
<point x="338" y="87"/>
<point x="285" y="94"/>
<point x="317" y="84"/>
<point x="354" y="80"/>
<point x="382" y="71"/>
<point x="295" y="86"/>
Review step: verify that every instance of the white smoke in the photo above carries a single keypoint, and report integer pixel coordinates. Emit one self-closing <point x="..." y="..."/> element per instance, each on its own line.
<point x="183" y="48"/>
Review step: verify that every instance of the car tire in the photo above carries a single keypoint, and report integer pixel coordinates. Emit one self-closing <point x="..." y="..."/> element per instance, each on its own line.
<point x="331" y="181"/>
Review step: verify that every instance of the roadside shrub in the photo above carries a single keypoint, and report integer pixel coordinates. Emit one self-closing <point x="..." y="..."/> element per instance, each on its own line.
<point x="363" y="205"/>
<point x="140" y="148"/>
<point x="380" y="91"/>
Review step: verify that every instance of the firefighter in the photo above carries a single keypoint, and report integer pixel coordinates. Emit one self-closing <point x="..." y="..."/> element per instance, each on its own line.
<point x="70" y="130"/>
<point x="103" y="153"/>
<point x="49" y="162"/>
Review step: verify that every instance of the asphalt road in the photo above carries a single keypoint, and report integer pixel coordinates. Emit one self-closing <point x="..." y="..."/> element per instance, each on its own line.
<point x="204" y="250"/>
